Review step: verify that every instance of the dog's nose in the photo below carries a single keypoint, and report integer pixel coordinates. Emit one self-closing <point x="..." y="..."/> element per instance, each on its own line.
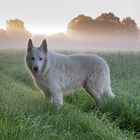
<point x="36" y="68"/>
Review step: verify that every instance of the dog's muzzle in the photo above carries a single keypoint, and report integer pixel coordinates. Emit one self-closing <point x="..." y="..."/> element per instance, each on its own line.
<point x="36" y="68"/>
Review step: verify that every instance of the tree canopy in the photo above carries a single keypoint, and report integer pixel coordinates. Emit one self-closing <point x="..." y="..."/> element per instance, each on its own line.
<point x="106" y="24"/>
<point x="15" y="24"/>
<point x="15" y="33"/>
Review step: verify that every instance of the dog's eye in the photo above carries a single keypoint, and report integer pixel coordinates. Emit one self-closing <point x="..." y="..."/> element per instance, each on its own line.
<point x="40" y="58"/>
<point x="33" y="58"/>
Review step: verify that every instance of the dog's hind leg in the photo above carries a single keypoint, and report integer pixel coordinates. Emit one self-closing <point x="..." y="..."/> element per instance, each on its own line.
<point x="96" y="94"/>
<point x="95" y="86"/>
<point x="108" y="93"/>
<point x="98" y="86"/>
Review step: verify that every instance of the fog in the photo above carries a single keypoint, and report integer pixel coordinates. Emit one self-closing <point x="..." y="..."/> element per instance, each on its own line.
<point x="61" y="41"/>
<point x="105" y="33"/>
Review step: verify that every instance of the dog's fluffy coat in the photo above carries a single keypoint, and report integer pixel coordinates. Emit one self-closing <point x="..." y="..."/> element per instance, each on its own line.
<point x="59" y="73"/>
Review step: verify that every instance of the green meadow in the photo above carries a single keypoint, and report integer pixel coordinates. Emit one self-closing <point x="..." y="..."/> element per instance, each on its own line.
<point x="24" y="114"/>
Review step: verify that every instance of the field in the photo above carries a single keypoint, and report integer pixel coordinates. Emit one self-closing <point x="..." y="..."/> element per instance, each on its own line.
<point x="25" y="116"/>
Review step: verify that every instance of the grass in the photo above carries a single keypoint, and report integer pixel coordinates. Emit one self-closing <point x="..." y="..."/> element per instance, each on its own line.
<point x="25" y="116"/>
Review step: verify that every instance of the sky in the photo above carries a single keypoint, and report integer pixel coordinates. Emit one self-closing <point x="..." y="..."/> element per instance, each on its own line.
<point x="52" y="16"/>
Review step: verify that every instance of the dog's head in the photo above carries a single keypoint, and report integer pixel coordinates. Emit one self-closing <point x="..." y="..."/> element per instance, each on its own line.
<point x="36" y="58"/>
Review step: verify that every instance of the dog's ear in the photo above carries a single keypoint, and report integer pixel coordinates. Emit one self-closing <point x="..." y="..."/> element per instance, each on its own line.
<point x="44" y="46"/>
<point x="30" y="45"/>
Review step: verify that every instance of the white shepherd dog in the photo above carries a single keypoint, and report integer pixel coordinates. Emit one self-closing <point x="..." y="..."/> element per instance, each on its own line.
<point x="56" y="73"/>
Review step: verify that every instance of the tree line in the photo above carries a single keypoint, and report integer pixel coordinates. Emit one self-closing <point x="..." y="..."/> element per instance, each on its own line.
<point x="107" y="26"/>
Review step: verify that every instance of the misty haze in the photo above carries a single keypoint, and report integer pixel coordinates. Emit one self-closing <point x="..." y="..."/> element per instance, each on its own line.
<point x="103" y="33"/>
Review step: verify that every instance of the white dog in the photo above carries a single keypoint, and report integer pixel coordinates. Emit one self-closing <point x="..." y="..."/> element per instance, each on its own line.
<point x="56" y="73"/>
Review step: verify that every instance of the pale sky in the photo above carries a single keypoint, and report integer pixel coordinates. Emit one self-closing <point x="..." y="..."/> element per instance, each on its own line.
<point x="50" y="16"/>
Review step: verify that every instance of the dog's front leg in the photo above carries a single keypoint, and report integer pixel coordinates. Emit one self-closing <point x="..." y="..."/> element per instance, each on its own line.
<point x="57" y="98"/>
<point x="56" y="92"/>
<point x="48" y="98"/>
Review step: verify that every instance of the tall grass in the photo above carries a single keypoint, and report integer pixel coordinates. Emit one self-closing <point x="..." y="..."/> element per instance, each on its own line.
<point x="25" y="116"/>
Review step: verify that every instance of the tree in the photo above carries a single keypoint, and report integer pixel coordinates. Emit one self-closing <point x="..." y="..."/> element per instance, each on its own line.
<point x="16" y="30"/>
<point x="130" y="28"/>
<point x="15" y="24"/>
<point x="81" y="23"/>
<point x="108" y="22"/>
<point x="108" y="19"/>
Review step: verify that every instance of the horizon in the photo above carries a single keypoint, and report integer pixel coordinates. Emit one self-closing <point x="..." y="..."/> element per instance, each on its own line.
<point x="50" y="17"/>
